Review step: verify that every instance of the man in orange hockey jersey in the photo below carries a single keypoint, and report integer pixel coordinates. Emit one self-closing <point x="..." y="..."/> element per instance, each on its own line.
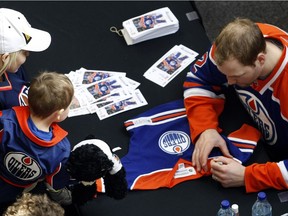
<point x="253" y="58"/>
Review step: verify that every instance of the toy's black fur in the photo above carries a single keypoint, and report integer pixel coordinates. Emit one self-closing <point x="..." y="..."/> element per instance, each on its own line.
<point x="88" y="163"/>
<point x="81" y="193"/>
<point x="116" y="185"/>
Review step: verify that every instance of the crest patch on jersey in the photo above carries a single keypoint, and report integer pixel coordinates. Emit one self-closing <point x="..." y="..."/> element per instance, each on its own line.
<point x="260" y="115"/>
<point x="174" y="142"/>
<point x="22" y="166"/>
<point x="23" y="96"/>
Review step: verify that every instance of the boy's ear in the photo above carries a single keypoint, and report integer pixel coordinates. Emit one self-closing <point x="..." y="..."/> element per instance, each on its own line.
<point x="59" y="112"/>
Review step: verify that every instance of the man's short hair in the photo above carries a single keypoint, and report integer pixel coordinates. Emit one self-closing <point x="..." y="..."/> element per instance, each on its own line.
<point x="240" y="39"/>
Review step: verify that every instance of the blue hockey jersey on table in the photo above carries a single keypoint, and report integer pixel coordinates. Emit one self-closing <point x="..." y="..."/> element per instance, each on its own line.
<point x="160" y="148"/>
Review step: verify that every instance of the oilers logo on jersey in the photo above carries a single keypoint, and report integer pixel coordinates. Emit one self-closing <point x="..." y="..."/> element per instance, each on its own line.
<point x="174" y="142"/>
<point x="260" y="116"/>
<point x="22" y="166"/>
<point x="23" y="96"/>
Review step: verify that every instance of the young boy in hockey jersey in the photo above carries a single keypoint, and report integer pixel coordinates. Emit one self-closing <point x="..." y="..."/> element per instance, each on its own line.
<point x="32" y="146"/>
<point x="252" y="57"/>
<point x="17" y="38"/>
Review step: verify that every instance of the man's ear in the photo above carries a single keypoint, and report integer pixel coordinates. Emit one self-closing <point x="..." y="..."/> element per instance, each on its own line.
<point x="261" y="58"/>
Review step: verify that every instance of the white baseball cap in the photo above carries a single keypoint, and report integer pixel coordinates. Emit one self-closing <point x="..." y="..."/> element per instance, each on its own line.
<point x="17" y="34"/>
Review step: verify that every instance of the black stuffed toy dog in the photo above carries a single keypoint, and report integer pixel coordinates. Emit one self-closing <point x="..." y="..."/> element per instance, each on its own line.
<point x="91" y="160"/>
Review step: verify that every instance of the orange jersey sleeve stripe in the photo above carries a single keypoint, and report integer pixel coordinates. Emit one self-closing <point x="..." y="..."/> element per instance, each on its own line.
<point x="160" y="118"/>
<point x="263" y="176"/>
<point x="191" y="84"/>
<point x="204" y="113"/>
<point x="168" y="116"/>
<point x="246" y="146"/>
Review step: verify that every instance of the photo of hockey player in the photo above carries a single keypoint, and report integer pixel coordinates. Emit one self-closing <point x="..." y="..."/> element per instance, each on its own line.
<point x="106" y="100"/>
<point x="119" y="106"/>
<point x="132" y="100"/>
<point x="148" y="21"/>
<point x="91" y="77"/>
<point x="102" y="88"/>
<point x="171" y="63"/>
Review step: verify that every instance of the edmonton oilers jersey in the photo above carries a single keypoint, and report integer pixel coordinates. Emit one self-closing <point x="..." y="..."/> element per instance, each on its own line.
<point x="261" y="99"/>
<point x="25" y="158"/>
<point x="13" y="89"/>
<point x="265" y="101"/>
<point x="160" y="148"/>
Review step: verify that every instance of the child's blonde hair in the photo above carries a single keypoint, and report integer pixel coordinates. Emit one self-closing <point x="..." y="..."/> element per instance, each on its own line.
<point x="34" y="204"/>
<point x="12" y="60"/>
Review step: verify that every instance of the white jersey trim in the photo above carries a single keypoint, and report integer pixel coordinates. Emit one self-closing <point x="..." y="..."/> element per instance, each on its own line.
<point x="283" y="170"/>
<point x="280" y="70"/>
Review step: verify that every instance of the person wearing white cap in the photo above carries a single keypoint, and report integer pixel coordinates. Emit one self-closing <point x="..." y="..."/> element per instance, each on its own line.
<point x="17" y="38"/>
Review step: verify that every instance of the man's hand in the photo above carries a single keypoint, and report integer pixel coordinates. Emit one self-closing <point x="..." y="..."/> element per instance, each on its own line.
<point x="207" y="141"/>
<point x="228" y="172"/>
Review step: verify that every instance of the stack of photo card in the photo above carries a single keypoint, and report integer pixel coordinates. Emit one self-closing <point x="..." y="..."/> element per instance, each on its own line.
<point x="170" y="65"/>
<point x="105" y="93"/>
<point x="150" y="25"/>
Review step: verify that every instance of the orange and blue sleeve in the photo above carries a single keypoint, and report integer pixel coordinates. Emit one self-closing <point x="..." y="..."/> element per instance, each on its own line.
<point x="262" y="176"/>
